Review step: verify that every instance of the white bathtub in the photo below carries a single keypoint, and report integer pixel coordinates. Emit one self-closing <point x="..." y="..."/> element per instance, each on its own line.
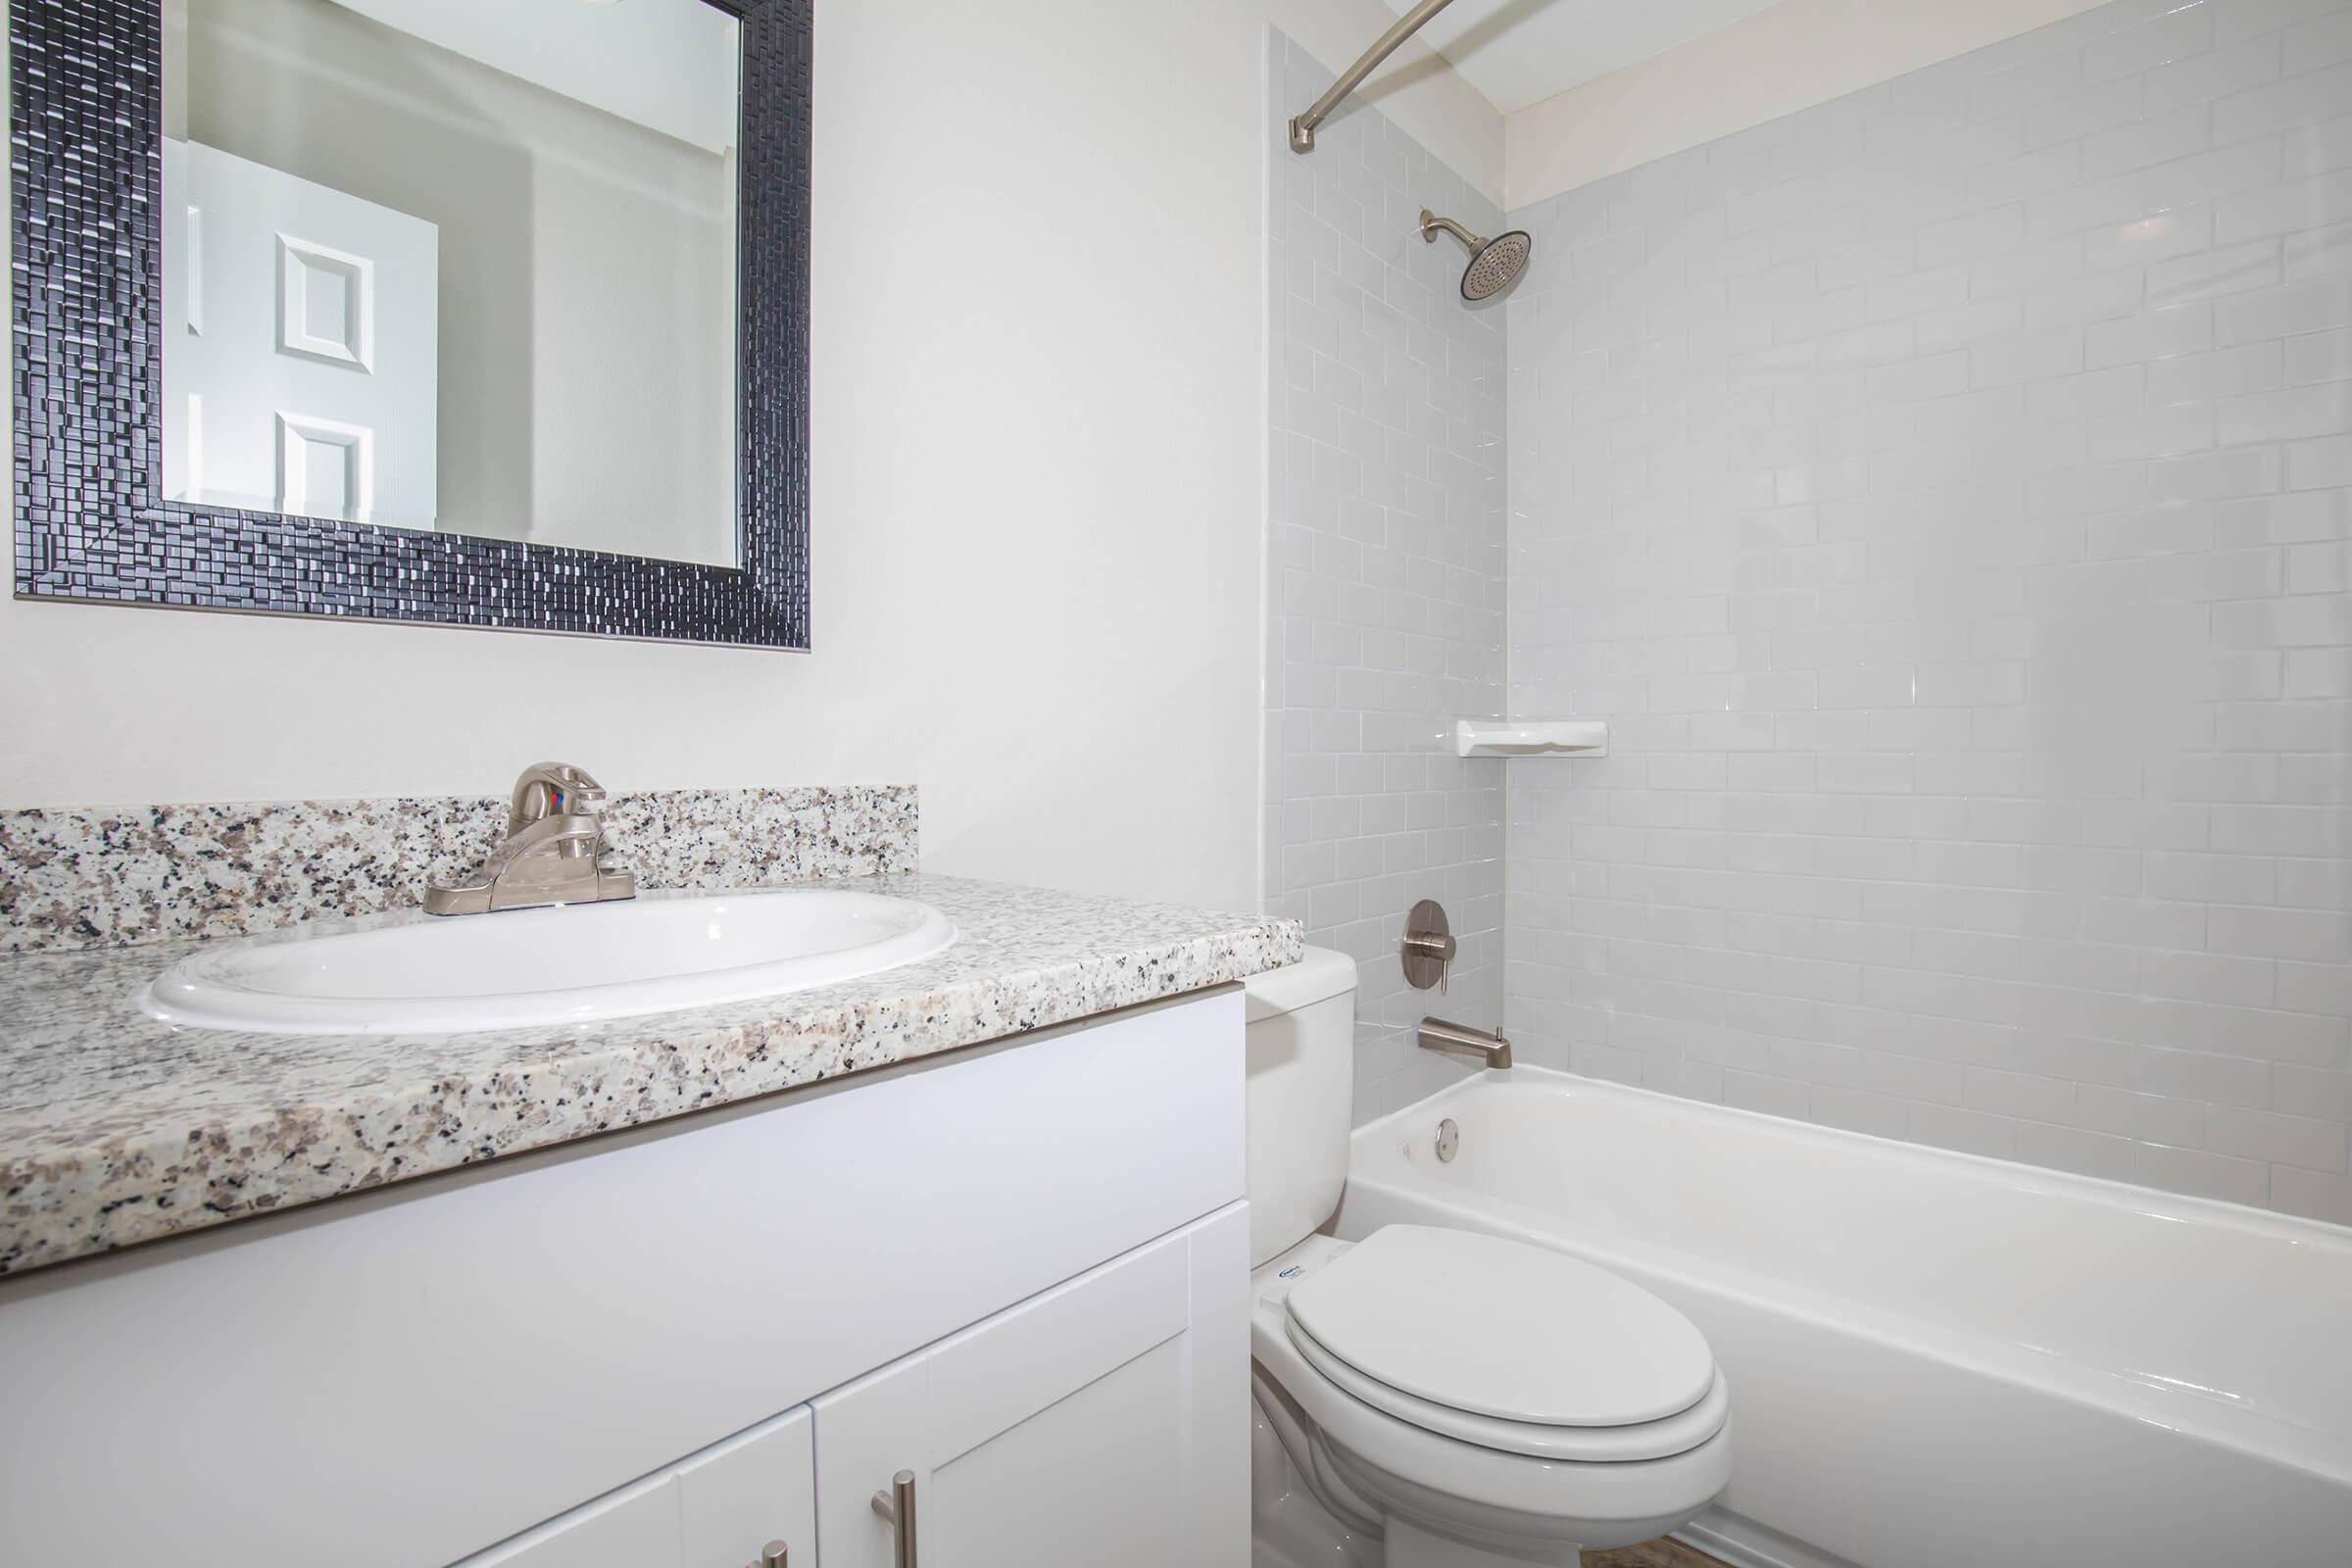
<point x="1935" y="1362"/>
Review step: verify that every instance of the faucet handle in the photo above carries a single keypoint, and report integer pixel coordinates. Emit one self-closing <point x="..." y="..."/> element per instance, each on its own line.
<point x="547" y="788"/>
<point x="1429" y="949"/>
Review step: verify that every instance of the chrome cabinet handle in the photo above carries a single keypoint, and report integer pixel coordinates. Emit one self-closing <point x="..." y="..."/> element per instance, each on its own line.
<point x="897" y="1506"/>
<point x="772" y="1556"/>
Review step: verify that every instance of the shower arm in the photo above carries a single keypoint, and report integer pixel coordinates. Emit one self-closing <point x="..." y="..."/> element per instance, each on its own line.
<point x="1431" y="223"/>
<point x="1302" y="129"/>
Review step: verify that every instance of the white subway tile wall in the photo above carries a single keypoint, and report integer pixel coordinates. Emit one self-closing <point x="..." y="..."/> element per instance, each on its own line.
<point x="1385" y="582"/>
<point x="1948" y="494"/>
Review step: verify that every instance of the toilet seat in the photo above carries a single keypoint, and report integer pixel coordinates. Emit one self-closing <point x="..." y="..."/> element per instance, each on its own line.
<point x="1507" y="1346"/>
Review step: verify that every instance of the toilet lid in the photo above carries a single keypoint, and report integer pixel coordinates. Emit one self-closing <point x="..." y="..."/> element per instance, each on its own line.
<point x="1644" y="1440"/>
<point x="1502" y="1328"/>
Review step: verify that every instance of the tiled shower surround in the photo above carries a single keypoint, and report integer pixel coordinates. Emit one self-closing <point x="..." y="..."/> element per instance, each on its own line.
<point x="1385" y="583"/>
<point x="1947" y="493"/>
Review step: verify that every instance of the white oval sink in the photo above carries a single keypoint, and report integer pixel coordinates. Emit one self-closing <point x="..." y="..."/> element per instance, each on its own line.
<point x="572" y="965"/>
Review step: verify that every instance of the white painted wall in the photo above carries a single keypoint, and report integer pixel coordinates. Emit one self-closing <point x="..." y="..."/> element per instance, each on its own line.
<point x="1039" y="491"/>
<point x="1789" y="57"/>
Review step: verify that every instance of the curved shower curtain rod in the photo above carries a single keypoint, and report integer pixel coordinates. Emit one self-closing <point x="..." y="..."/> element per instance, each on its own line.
<point x="1302" y="129"/>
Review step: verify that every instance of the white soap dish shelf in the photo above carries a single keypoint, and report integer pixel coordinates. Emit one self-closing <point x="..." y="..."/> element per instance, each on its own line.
<point x="1531" y="737"/>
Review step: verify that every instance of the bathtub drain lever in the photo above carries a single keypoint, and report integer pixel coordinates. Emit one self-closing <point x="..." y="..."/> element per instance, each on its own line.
<point x="1460" y="1040"/>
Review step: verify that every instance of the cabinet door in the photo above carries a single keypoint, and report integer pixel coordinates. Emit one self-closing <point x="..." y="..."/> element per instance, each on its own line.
<point x="1104" y="1421"/>
<point x="717" y="1509"/>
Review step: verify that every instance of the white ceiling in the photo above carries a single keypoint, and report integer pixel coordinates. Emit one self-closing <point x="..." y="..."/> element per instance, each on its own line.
<point x="1519" y="52"/>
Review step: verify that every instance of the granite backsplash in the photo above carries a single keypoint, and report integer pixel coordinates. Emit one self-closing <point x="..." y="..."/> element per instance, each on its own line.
<point x="104" y="876"/>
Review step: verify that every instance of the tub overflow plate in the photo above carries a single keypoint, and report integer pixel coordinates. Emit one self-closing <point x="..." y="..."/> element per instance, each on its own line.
<point x="1449" y="1138"/>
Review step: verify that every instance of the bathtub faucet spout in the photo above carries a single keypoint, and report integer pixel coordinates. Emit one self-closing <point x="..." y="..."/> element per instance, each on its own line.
<point x="1459" y="1040"/>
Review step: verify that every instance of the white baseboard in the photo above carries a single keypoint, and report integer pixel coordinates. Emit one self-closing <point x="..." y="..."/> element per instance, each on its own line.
<point x="1724" y="1548"/>
<point x="1744" y="1544"/>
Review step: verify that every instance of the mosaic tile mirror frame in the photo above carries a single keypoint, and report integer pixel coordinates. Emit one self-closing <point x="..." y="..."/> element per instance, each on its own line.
<point x="92" y="524"/>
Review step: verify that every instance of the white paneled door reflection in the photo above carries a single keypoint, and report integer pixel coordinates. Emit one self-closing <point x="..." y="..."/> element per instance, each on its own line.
<point x="301" y="345"/>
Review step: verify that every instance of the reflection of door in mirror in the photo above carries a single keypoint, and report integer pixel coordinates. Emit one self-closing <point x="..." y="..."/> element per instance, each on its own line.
<point x="302" y="333"/>
<point x="454" y="264"/>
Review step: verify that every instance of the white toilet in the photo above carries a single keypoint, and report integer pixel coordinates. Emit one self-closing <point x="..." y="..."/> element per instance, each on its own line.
<point x="1440" y="1398"/>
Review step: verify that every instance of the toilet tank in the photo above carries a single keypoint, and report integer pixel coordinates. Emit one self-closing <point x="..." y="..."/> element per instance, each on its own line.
<point x="1301" y="1096"/>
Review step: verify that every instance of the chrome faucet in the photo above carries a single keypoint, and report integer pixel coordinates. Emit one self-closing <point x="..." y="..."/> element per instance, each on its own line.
<point x="554" y="852"/>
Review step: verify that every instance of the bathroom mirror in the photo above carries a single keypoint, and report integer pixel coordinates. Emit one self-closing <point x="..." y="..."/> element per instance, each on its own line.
<point x="416" y="310"/>
<point x="452" y="266"/>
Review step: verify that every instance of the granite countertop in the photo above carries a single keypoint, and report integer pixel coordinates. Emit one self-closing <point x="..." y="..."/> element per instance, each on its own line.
<point x="115" y="1128"/>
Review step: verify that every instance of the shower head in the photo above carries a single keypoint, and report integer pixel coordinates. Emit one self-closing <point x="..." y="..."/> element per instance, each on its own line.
<point x="1493" y="262"/>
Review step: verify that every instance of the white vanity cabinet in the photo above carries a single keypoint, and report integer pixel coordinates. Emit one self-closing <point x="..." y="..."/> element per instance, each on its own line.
<point x="1097" y="1422"/>
<point x="1019" y="1272"/>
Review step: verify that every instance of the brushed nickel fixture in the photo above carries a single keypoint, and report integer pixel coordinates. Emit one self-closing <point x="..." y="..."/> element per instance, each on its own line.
<point x="774" y="1555"/>
<point x="1493" y="262"/>
<point x="1460" y="1040"/>
<point x="554" y="852"/>
<point x="897" y="1506"/>
<point x="1302" y="127"/>
<point x="1429" y="947"/>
